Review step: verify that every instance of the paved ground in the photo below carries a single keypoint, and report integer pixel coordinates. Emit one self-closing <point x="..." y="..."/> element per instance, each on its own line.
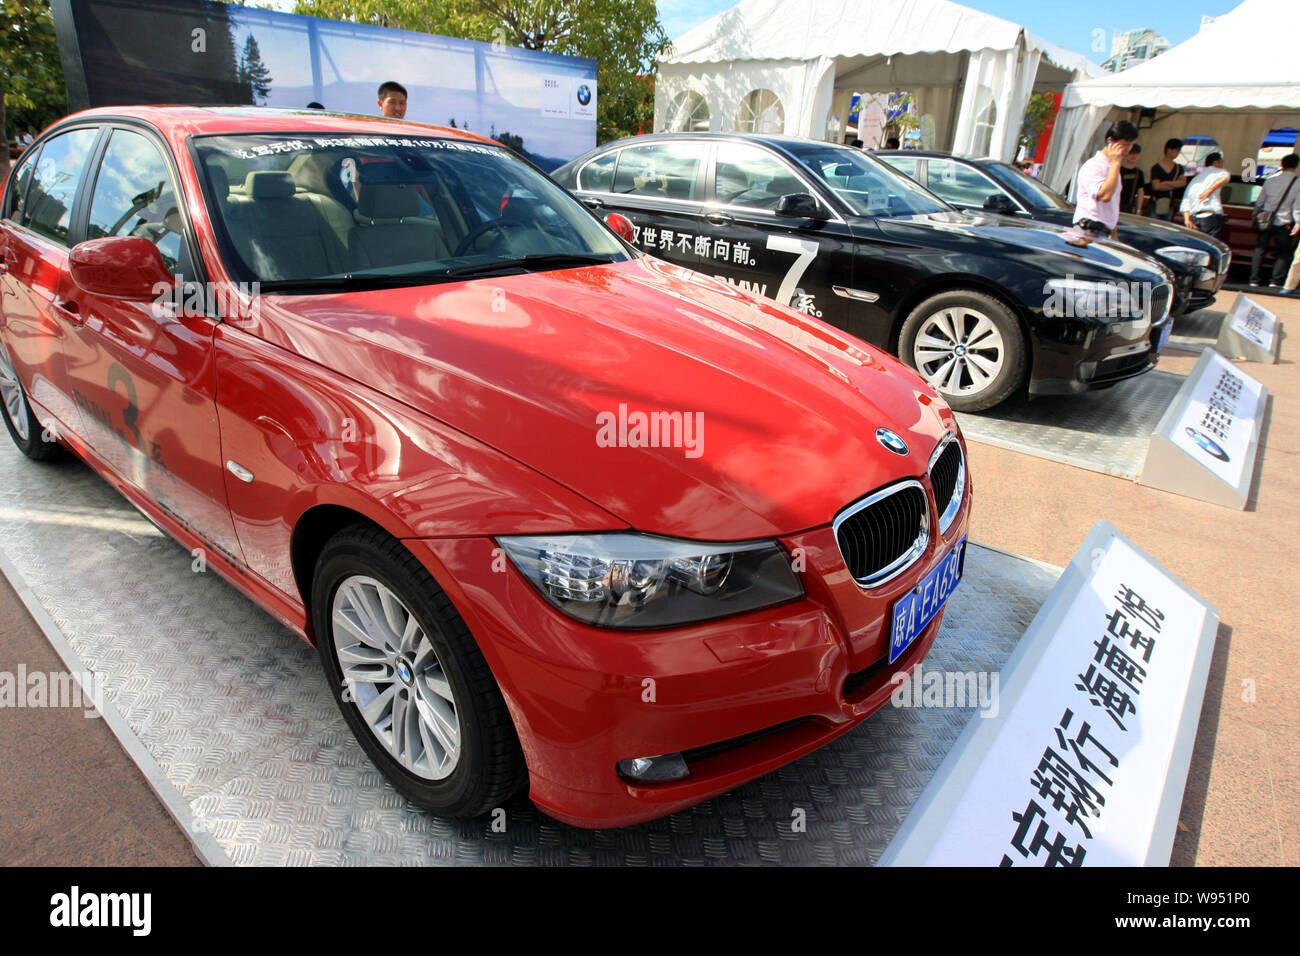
<point x="70" y="795"/>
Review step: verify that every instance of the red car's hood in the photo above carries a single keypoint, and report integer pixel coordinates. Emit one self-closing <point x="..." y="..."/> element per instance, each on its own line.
<point x="777" y="411"/>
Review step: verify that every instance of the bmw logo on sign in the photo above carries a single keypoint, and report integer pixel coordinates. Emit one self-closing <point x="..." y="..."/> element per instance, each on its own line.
<point x="891" y="441"/>
<point x="584" y="94"/>
<point x="1206" y="442"/>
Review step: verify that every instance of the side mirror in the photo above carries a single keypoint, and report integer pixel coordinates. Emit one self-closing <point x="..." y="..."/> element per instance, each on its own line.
<point x="1000" y="203"/>
<point x="121" y="267"/>
<point x="622" y="226"/>
<point x="800" y="206"/>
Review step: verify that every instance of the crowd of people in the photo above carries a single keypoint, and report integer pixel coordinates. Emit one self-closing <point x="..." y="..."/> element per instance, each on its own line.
<point x="1111" y="182"/>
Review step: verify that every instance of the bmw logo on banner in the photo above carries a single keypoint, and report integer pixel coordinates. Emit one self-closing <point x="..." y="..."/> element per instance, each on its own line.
<point x="584" y="98"/>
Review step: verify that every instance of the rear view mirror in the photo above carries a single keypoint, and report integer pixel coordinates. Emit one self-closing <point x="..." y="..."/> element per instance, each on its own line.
<point x="999" y="202"/>
<point x="121" y="267"/>
<point x="622" y="226"/>
<point x="799" y="205"/>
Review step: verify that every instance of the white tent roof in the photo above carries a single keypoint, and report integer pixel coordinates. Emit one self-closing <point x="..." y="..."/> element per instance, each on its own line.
<point x="1246" y="58"/>
<point x="807" y="29"/>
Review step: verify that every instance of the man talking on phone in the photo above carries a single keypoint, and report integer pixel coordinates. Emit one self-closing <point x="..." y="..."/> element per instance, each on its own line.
<point x="1097" y="186"/>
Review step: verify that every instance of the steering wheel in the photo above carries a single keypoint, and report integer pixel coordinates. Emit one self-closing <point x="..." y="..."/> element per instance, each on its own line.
<point x="500" y="225"/>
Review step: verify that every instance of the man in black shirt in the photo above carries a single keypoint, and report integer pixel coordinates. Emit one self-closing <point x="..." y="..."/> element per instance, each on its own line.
<point x="1167" y="182"/>
<point x="1132" y="184"/>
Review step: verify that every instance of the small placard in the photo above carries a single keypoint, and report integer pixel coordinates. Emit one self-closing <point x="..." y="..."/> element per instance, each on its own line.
<point x="1206" y="444"/>
<point x="1250" y="332"/>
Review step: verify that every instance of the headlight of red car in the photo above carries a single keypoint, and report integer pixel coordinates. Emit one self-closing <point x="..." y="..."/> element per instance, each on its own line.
<point x="627" y="580"/>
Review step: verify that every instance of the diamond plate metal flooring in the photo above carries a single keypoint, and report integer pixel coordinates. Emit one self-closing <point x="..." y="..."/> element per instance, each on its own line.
<point x="1105" y="431"/>
<point x="234" y="710"/>
<point x="1198" y="330"/>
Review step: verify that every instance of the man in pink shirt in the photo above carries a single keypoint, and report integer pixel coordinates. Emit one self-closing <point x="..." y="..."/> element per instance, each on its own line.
<point x="1097" y="187"/>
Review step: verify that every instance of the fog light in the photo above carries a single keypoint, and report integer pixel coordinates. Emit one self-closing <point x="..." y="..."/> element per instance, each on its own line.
<point x="666" y="767"/>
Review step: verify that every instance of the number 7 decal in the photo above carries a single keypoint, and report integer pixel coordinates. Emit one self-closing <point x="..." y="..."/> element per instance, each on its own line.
<point x="805" y="251"/>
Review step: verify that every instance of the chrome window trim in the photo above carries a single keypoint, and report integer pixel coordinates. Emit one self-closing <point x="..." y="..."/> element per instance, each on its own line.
<point x="959" y="489"/>
<point x="903" y="561"/>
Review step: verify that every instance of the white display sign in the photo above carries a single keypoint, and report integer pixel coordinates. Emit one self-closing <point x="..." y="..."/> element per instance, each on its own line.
<point x="568" y="97"/>
<point x="1087" y="760"/>
<point x="1254" y="323"/>
<point x="1217" y="424"/>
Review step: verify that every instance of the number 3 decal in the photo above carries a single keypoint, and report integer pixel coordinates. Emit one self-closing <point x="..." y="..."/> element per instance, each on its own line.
<point x="805" y="251"/>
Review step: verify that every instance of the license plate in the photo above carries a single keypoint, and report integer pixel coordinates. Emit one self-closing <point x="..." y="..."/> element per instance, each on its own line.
<point x="1164" y="336"/>
<point x="917" y="608"/>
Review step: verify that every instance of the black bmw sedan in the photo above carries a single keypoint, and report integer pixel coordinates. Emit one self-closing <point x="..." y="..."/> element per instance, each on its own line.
<point x="979" y="304"/>
<point x="1198" y="262"/>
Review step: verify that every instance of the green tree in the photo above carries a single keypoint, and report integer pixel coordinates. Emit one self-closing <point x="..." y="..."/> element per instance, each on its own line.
<point x="253" y="72"/>
<point x="1037" y="113"/>
<point x="624" y="37"/>
<point x="32" y="93"/>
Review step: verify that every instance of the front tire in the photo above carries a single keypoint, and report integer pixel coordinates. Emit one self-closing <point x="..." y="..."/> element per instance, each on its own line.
<point x="20" y="420"/>
<point x="409" y="678"/>
<point x="968" y="346"/>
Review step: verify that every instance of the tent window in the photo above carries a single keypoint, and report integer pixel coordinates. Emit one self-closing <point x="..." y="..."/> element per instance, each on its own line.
<point x="760" y="112"/>
<point x="689" y="113"/>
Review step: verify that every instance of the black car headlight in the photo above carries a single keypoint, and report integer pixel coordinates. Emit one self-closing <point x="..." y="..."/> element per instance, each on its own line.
<point x="627" y="580"/>
<point x="1195" y="258"/>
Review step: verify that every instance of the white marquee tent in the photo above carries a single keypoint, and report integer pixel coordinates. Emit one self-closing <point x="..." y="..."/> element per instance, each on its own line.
<point x="1235" y="80"/>
<point x="789" y="66"/>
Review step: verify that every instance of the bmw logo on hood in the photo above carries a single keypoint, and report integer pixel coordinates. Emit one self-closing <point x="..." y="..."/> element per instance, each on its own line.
<point x="1206" y="442"/>
<point x="891" y="441"/>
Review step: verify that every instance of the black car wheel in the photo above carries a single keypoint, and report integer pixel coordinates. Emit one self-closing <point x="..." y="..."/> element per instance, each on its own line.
<point x="24" y="429"/>
<point x="968" y="346"/>
<point x="409" y="678"/>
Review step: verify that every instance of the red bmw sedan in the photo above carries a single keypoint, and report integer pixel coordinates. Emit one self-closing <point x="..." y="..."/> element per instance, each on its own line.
<point x="556" y="514"/>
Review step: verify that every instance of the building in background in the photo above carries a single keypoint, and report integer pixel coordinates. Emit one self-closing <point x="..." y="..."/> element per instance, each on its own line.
<point x="1133" y="47"/>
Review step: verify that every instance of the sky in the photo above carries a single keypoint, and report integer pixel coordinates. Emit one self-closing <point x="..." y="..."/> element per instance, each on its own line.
<point x="1074" y="26"/>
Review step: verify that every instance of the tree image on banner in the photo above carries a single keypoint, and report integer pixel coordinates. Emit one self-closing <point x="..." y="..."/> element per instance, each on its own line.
<point x="254" y="73"/>
<point x="31" y="76"/>
<point x="624" y="37"/>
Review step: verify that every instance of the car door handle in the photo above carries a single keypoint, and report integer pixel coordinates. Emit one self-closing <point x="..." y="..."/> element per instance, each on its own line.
<point x="591" y="202"/>
<point x="70" y="311"/>
<point x="718" y="218"/>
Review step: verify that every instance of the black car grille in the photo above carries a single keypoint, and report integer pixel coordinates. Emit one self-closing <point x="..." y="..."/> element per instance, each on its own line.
<point x="945" y="476"/>
<point x="885" y="533"/>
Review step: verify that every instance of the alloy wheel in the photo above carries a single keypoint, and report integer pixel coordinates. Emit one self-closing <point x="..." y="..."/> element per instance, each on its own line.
<point x="394" y="677"/>
<point x="11" y="391"/>
<point x="959" y="351"/>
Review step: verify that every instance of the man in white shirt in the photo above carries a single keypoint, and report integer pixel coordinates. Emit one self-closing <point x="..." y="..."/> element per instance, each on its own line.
<point x="1202" y="206"/>
<point x="1097" y="185"/>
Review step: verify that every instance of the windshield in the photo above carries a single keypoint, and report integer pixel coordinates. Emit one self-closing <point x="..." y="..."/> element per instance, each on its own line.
<point x="1027" y="189"/>
<point x="304" y="212"/>
<point x="868" y="187"/>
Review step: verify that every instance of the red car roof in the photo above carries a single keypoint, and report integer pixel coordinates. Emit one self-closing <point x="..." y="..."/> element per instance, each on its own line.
<point x="182" y="121"/>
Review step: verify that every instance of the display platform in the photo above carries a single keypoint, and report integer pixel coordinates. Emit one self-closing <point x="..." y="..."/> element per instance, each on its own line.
<point x="1105" y="431"/>
<point x="228" y="717"/>
<point x="1198" y="330"/>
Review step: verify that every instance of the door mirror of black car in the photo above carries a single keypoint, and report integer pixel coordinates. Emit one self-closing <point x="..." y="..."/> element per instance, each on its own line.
<point x="999" y="202"/>
<point x="800" y="205"/>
